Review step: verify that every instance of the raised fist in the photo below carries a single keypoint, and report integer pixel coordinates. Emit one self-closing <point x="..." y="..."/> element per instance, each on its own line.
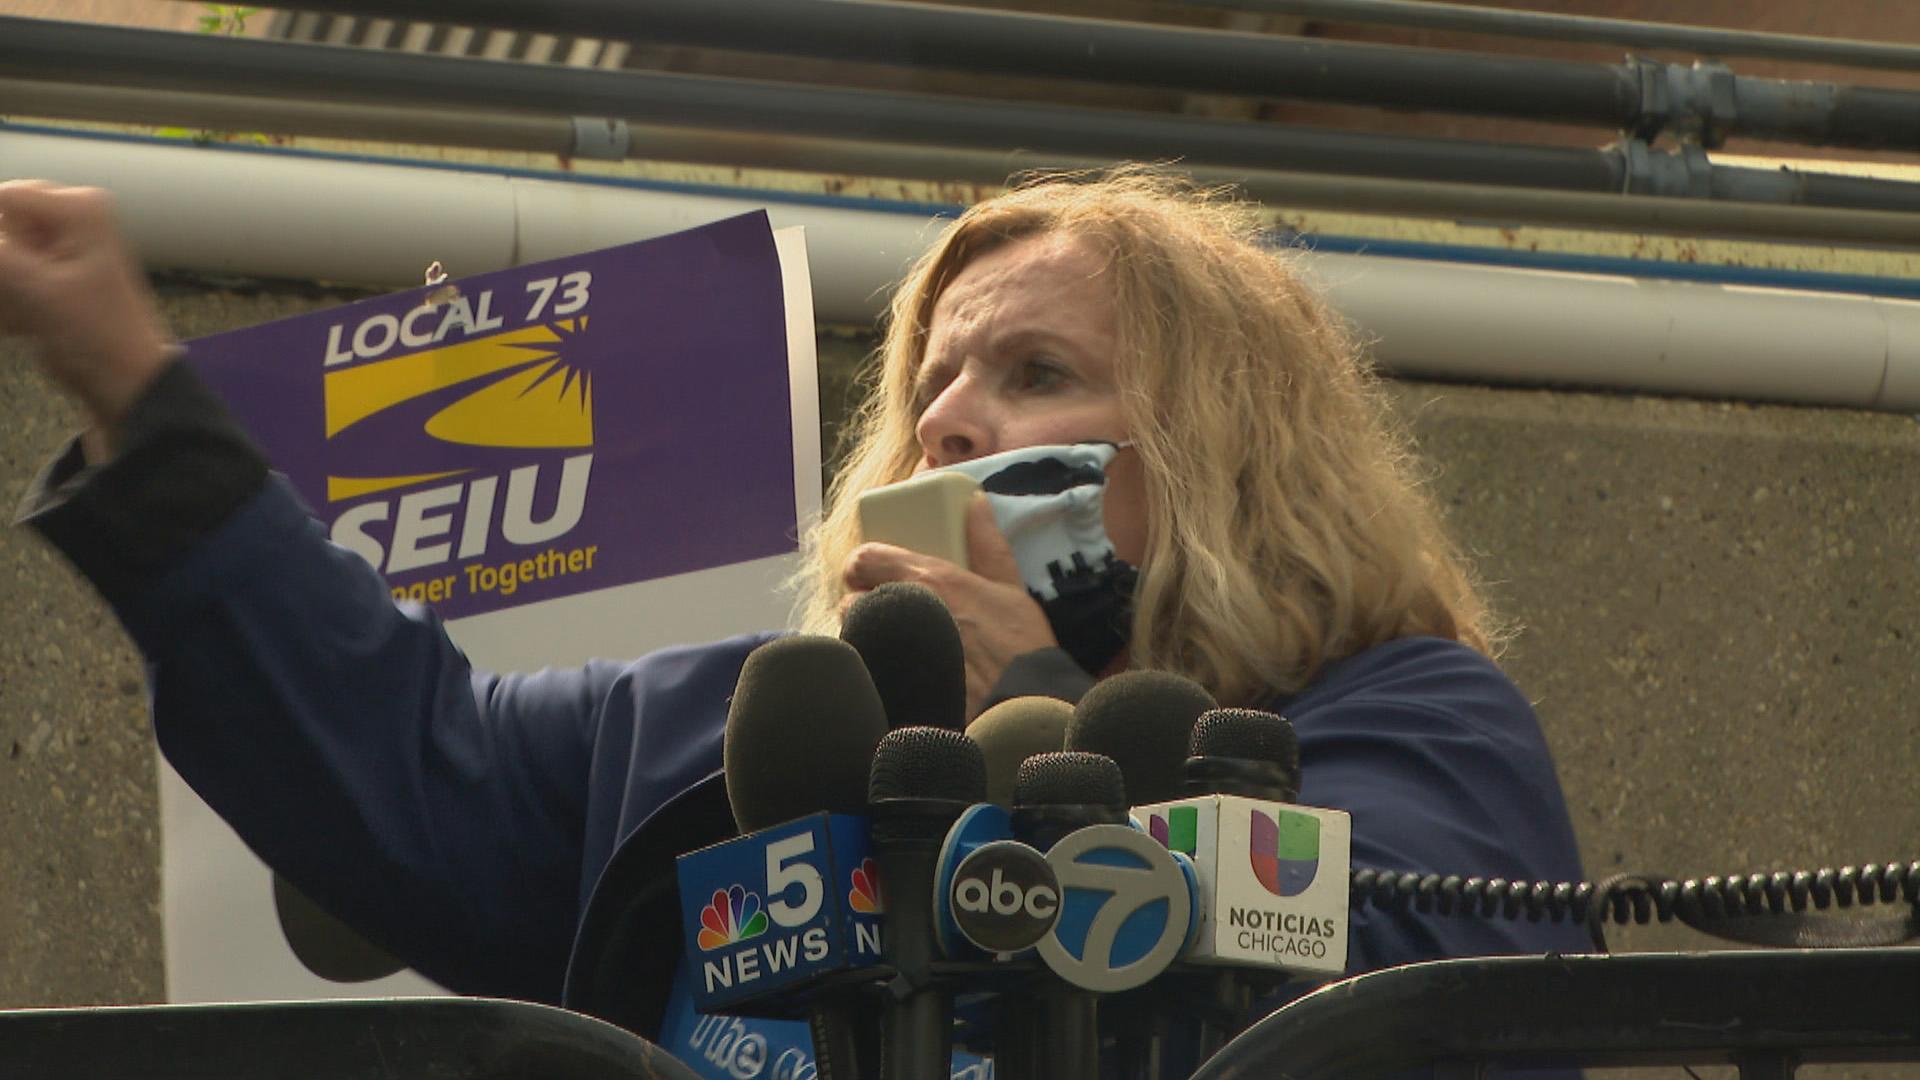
<point x="69" y="283"/>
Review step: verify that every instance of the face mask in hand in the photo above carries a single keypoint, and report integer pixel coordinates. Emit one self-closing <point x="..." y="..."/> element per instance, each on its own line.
<point x="1050" y="503"/>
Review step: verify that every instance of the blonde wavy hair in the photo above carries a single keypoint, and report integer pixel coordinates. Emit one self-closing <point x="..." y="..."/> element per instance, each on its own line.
<point x="1287" y="525"/>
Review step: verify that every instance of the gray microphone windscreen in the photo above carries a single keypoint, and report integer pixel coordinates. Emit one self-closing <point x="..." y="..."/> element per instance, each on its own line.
<point x="1013" y="731"/>
<point x="1143" y="720"/>
<point x="326" y="946"/>
<point x="907" y="638"/>
<point x="800" y="732"/>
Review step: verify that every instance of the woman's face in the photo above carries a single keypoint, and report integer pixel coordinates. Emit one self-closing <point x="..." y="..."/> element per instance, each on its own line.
<point x="1021" y="353"/>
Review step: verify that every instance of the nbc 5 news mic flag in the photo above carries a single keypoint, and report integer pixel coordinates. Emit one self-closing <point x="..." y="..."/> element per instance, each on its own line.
<point x="777" y="909"/>
<point x="598" y="455"/>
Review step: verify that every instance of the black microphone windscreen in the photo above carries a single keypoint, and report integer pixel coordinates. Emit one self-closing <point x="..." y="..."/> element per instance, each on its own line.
<point x="326" y="946"/>
<point x="800" y="732"/>
<point x="927" y="763"/>
<point x="1143" y="720"/>
<point x="1013" y="731"/>
<point x="912" y="648"/>
<point x="1247" y="733"/>
<point x="1070" y="777"/>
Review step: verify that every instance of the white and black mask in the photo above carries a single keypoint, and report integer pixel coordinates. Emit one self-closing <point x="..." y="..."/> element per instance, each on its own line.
<point x="1050" y="503"/>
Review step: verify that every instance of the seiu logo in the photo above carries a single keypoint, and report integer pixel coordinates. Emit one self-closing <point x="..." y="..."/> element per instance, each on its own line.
<point x="479" y="428"/>
<point x="1284" y="848"/>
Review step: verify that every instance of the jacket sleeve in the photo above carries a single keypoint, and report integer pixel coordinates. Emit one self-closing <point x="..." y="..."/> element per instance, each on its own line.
<point x="354" y="749"/>
<point x="1443" y="767"/>
<point x="437" y="809"/>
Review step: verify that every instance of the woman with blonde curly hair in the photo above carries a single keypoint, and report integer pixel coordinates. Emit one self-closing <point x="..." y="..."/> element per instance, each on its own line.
<point x="1244" y="511"/>
<point x="1271" y="503"/>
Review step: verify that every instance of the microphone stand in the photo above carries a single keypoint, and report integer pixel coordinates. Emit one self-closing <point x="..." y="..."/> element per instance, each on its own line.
<point x="917" y="1018"/>
<point x="1065" y="1035"/>
<point x="845" y="1041"/>
<point x="1228" y="996"/>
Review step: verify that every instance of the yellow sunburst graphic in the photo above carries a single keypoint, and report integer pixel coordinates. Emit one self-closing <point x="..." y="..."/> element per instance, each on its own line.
<point x="544" y="404"/>
<point x="532" y="408"/>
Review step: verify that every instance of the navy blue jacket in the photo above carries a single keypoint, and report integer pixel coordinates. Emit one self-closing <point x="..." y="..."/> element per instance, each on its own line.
<point x="464" y="820"/>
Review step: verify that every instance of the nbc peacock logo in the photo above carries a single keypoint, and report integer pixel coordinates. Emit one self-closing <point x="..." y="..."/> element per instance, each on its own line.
<point x="864" y="896"/>
<point x="1284" y="847"/>
<point x="733" y="915"/>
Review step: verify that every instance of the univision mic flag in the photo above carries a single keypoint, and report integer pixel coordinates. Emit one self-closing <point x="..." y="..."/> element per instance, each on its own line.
<point x="524" y="435"/>
<point x="1273" y="879"/>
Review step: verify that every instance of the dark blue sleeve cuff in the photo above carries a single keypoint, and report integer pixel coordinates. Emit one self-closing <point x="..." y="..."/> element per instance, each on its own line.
<point x="184" y="466"/>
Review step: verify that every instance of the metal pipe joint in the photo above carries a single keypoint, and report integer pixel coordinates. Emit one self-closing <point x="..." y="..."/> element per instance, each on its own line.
<point x="1696" y="103"/>
<point x="1685" y="173"/>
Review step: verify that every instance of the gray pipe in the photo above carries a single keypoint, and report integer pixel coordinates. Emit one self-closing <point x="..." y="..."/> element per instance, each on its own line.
<point x="1504" y="22"/>
<point x="1054" y="46"/>
<point x="1352" y="194"/>
<point x="1624" y="97"/>
<point x="45" y="49"/>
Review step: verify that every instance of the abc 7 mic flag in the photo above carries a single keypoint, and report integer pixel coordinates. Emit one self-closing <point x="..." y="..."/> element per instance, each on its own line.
<point x="1126" y="908"/>
<point x="1107" y="908"/>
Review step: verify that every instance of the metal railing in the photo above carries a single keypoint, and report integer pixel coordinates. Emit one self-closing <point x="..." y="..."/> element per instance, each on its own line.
<point x="1765" y="1011"/>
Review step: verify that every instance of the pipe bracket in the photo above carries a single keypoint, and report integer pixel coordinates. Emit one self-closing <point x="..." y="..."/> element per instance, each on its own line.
<point x="600" y="139"/>
<point x="1709" y="105"/>
<point x="1695" y="104"/>
<point x="1685" y="174"/>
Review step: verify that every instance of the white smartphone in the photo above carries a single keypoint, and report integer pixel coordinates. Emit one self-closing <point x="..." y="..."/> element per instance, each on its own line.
<point x="927" y="514"/>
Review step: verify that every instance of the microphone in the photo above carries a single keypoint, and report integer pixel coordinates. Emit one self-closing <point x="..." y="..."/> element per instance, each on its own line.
<point x="324" y="944"/>
<point x="905" y="635"/>
<point x="1148" y="724"/>
<point x="1273" y="876"/>
<point x="1255" y="755"/>
<point x="1059" y="792"/>
<point x="1013" y="731"/>
<point x="1143" y="720"/>
<point x="1244" y="752"/>
<point x="1056" y="794"/>
<point x="801" y="731"/>
<point x="776" y="910"/>
<point x="922" y="779"/>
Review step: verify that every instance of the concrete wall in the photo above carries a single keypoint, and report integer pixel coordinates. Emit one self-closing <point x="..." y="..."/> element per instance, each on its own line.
<point x="79" y="817"/>
<point x="1721" y="611"/>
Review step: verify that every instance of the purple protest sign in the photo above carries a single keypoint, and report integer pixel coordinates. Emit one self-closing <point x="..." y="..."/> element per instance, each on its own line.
<point x="554" y="429"/>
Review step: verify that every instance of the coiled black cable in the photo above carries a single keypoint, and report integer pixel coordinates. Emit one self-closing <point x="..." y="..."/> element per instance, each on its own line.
<point x="1758" y="909"/>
